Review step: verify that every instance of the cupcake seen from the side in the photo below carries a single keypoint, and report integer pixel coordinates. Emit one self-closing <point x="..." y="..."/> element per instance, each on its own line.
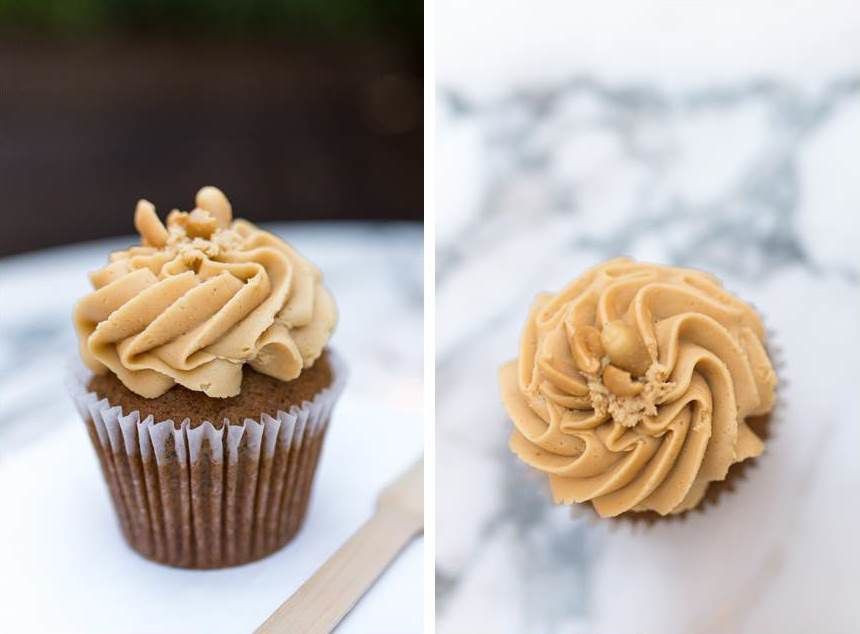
<point x="639" y="389"/>
<point x="207" y="384"/>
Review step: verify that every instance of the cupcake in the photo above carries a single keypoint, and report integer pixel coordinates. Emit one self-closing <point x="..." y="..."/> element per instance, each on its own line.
<point x="207" y="384"/>
<point x="638" y="388"/>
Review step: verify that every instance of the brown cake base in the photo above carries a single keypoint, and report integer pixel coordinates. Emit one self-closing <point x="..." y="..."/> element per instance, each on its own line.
<point x="261" y="394"/>
<point x="206" y="494"/>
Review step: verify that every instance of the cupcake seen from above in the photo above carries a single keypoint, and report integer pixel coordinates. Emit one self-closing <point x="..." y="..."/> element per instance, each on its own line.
<point x="207" y="384"/>
<point x="640" y="389"/>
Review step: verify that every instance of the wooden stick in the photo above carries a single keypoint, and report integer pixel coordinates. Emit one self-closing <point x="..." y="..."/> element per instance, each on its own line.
<point x="324" y="599"/>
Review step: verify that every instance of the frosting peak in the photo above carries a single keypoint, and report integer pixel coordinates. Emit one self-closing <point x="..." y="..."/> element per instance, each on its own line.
<point x="198" y="299"/>
<point x="633" y="384"/>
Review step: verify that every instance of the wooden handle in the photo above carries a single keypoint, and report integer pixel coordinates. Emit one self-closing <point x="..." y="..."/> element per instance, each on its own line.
<point x="324" y="599"/>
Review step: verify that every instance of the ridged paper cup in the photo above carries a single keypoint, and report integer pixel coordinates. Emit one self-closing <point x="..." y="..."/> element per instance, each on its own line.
<point x="212" y="495"/>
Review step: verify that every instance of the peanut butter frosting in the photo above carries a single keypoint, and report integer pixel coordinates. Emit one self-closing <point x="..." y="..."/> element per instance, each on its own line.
<point x="200" y="297"/>
<point x="633" y="385"/>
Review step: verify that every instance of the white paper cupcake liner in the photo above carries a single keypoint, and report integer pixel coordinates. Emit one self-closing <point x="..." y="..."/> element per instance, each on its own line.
<point x="208" y="496"/>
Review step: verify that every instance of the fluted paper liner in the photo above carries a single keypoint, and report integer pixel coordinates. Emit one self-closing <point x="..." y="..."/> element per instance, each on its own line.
<point x="208" y="497"/>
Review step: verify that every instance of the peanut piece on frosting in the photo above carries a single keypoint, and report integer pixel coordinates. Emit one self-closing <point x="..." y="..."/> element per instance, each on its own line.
<point x="200" y="223"/>
<point x="148" y="225"/>
<point x="625" y="347"/>
<point x="620" y="382"/>
<point x="587" y="349"/>
<point x="215" y="202"/>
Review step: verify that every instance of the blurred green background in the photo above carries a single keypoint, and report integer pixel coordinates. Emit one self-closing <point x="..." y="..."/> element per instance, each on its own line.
<point x="230" y="17"/>
<point x="298" y="110"/>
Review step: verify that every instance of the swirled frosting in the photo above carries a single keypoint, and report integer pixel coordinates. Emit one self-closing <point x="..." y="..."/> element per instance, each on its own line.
<point x="633" y="385"/>
<point x="198" y="299"/>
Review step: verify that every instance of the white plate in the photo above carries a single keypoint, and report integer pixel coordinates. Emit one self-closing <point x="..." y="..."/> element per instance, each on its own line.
<point x="64" y="566"/>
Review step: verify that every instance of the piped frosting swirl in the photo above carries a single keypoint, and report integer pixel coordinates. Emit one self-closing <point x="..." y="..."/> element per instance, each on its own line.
<point x="198" y="299"/>
<point x="633" y="385"/>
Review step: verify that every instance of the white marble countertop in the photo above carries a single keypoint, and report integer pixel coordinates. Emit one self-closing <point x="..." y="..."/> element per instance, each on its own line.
<point x="668" y="148"/>
<point x="66" y="568"/>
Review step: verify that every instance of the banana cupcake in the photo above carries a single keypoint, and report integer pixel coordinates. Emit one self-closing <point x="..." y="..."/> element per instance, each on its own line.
<point x="207" y="384"/>
<point x="639" y="389"/>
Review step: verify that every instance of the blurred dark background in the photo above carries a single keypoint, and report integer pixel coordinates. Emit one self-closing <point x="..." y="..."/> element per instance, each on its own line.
<point x="298" y="110"/>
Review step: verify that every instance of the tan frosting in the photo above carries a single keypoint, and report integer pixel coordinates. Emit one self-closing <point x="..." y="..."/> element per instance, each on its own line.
<point x="658" y="410"/>
<point x="198" y="299"/>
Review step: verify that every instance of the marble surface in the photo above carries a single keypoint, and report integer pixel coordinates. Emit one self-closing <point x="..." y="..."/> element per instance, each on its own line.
<point x="66" y="568"/>
<point x="552" y="158"/>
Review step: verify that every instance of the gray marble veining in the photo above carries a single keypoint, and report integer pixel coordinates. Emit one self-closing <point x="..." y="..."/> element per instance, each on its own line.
<point x="525" y="135"/>
<point x="749" y="181"/>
